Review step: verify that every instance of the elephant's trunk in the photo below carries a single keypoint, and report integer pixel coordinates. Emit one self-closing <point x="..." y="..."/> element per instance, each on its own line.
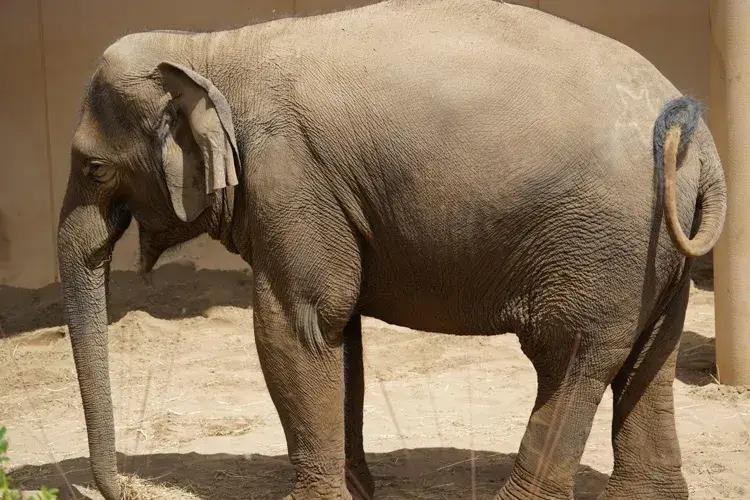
<point x="86" y="236"/>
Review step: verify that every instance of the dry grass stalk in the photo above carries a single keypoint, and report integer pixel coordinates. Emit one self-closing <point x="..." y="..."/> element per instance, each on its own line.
<point x="135" y="488"/>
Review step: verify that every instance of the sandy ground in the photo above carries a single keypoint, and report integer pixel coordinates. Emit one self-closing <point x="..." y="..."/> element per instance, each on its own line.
<point x="192" y="409"/>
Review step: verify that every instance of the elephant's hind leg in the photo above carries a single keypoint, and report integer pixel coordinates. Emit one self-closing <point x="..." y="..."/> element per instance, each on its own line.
<point x="358" y="476"/>
<point x="572" y="376"/>
<point x="647" y="464"/>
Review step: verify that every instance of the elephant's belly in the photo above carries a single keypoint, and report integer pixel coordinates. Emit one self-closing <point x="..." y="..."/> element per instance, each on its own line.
<point x="512" y="287"/>
<point x="435" y="305"/>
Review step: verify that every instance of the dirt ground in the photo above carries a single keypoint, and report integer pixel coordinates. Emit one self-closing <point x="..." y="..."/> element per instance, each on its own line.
<point x="192" y="409"/>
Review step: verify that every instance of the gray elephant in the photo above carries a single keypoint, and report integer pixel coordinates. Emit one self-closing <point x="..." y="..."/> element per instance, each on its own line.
<point x="455" y="166"/>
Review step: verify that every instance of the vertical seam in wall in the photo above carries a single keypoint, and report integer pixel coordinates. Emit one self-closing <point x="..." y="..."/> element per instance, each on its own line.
<point x="294" y="7"/>
<point x="48" y="127"/>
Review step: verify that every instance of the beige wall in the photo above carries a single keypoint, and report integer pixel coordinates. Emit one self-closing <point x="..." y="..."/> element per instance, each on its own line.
<point x="48" y="55"/>
<point x="26" y="230"/>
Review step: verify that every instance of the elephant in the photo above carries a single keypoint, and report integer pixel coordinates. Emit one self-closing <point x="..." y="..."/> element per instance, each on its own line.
<point x="463" y="167"/>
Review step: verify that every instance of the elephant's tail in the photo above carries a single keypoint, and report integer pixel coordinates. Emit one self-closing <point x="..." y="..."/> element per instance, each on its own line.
<point x="673" y="129"/>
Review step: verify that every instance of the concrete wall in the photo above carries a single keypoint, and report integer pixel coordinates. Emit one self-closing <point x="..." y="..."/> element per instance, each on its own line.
<point x="48" y="52"/>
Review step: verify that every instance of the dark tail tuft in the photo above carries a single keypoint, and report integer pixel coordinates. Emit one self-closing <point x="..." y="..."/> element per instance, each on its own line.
<point x="684" y="112"/>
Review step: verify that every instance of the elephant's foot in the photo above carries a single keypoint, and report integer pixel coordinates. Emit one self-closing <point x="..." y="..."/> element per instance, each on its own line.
<point x="359" y="486"/>
<point x="653" y="483"/>
<point x="317" y="496"/>
<point x="319" y="492"/>
<point x="359" y="481"/>
<point x="518" y="488"/>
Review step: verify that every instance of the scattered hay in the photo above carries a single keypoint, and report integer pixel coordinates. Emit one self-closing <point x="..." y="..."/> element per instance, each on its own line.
<point x="229" y="426"/>
<point x="135" y="488"/>
<point x="725" y="393"/>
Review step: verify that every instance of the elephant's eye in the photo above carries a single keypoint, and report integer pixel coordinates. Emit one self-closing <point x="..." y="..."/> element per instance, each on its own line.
<point x="95" y="170"/>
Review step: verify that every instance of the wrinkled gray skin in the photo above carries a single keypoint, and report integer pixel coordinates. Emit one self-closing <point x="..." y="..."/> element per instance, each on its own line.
<point x="459" y="166"/>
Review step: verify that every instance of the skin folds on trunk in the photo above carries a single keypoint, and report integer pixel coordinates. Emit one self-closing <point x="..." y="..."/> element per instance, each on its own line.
<point x="85" y="239"/>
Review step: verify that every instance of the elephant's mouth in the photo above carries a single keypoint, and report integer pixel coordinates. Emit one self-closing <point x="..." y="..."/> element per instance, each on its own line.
<point x="120" y="219"/>
<point x="150" y="250"/>
<point x="154" y="243"/>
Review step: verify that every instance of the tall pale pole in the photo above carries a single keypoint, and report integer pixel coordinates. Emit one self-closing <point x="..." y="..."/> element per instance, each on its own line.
<point x="729" y="104"/>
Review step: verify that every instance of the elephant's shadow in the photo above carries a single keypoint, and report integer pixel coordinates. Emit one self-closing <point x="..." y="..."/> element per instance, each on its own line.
<point x="425" y="473"/>
<point x="178" y="290"/>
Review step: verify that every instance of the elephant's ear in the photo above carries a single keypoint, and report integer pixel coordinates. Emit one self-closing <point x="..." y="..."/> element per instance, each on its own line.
<point x="199" y="150"/>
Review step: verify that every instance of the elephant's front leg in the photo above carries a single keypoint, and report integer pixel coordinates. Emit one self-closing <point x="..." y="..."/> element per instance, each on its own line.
<point x="358" y="476"/>
<point x="307" y="387"/>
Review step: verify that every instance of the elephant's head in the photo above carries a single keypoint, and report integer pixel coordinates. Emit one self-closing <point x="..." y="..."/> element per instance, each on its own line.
<point x="155" y="141"/>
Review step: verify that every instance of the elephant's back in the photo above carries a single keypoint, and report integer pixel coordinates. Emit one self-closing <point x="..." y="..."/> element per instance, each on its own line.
<point x="505" y="89"/>
<point x="471" y="63"/>
<point x="480" y="97"/>
<point x="483" y="35"/>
